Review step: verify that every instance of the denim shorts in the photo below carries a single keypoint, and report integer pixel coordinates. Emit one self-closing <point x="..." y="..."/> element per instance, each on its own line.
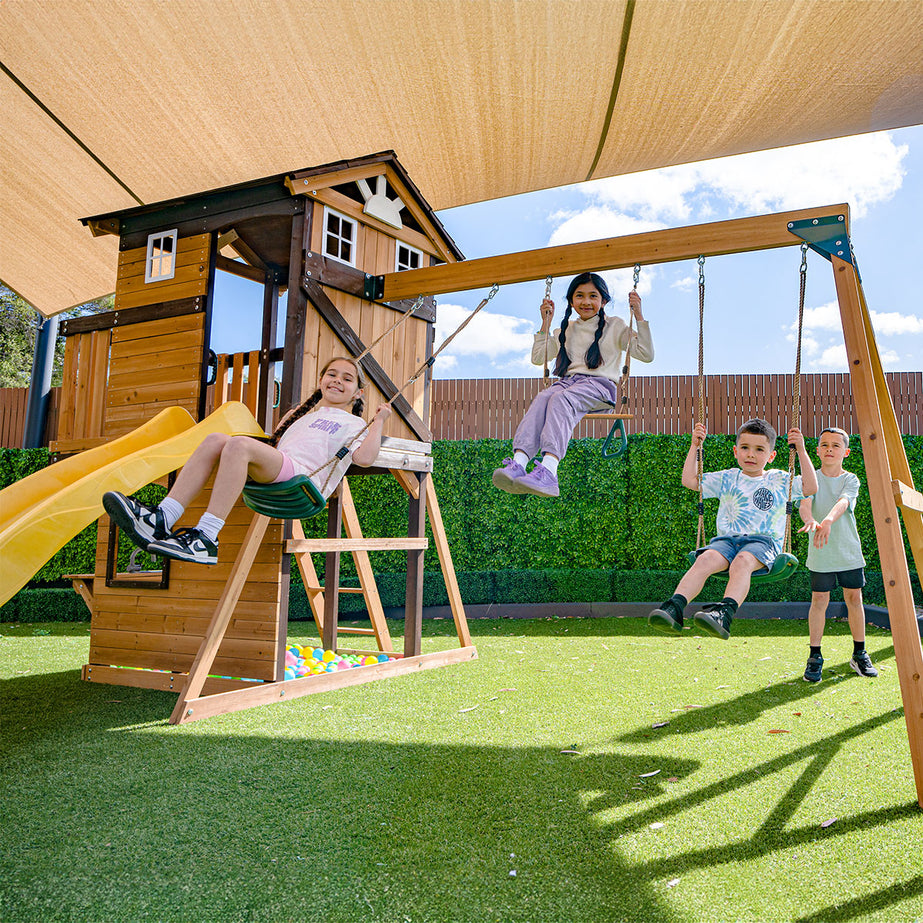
<point x="761" y="547"/>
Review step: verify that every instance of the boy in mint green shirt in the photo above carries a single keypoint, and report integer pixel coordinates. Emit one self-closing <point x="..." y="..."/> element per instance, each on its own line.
<point x="834" y="553"/>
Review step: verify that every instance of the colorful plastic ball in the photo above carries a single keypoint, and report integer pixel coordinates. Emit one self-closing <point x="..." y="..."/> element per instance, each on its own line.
<point x="289" y="673"/>
<point x="368" y="661"/>
<point x="327" y="656"/>
<point x="383" y="658"/>
<point x="318" y="653"/>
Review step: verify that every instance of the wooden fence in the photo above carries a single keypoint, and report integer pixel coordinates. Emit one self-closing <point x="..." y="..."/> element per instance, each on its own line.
<point x="490" y="408"/>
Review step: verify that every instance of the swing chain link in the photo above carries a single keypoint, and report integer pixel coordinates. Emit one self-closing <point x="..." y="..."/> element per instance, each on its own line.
<point x="636" y="276"/>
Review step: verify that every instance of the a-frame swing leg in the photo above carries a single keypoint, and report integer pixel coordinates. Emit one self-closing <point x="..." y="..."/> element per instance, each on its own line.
<point x="198" y="672"/>
<point x="871" y="411"/>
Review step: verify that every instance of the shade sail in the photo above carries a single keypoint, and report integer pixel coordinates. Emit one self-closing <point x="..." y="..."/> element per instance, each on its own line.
<point x="112" y="103"/>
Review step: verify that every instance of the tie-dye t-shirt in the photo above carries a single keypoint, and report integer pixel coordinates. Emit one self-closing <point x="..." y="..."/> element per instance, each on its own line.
<point x="751" y="506"/>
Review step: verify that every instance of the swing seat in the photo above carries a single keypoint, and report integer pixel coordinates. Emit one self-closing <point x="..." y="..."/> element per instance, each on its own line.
<point x="783" y="567"/>
<point x="297" y="498"/>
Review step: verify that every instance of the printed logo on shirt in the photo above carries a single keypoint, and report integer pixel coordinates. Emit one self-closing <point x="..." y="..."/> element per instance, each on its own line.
<point x="328" y="426"/>
<point x="762" y="498"/>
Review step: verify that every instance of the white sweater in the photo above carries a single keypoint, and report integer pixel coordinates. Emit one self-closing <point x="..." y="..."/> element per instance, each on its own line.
<point x="579" y="338"/>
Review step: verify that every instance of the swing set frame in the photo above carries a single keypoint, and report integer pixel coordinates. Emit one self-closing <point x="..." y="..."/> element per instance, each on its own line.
<point x="826" y="231"/>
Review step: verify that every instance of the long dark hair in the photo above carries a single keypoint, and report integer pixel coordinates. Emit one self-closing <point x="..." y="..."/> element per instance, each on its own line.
<point x="593" y="355"/>
<point x="309" y="404"/>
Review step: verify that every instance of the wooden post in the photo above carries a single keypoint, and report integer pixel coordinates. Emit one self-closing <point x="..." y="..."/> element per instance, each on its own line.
<point x="198" y="672"/>
<point x="863" y="359"/>
<point x="413" y="605"/>
<point x="332" y="573"/>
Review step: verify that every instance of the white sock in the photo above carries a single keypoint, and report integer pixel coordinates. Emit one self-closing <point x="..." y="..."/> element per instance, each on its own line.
<point x="520" y="458"/>
<point x="171" y="511"/>
<point x="551" y="463"/>
<point x="210" y="526"/>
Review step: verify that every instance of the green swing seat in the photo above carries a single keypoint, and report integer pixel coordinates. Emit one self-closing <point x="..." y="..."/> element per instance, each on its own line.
<point x="783" y="567"/>
<point x="297" y="498"/>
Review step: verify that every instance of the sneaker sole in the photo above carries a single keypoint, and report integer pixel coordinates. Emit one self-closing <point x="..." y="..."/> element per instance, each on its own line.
<point x="859" y="672"/>
<point x="125" y="520"/>
<point x="502" y="481"/>
<point x="528" y="489"/>
<point x="811" y="679"/>
<point x="703" y="621"/>
<point x="154" y="548"/>
<point x="662" y="621"/>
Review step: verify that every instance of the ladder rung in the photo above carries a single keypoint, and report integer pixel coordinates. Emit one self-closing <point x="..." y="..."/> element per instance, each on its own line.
<point x="317" y="590"/>
<point x="355" y="631"/>
<point x="299" y="546"/>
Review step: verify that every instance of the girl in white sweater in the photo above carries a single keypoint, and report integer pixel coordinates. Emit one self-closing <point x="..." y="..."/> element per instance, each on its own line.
<point x="589" y="351"/>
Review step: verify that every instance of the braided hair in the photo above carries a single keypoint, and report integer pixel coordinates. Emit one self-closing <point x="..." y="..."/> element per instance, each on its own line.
<point x="594" y="355"/>
<point x="308" y="405"/>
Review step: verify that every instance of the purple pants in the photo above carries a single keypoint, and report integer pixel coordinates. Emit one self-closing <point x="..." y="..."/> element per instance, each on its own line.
<point x="551" y="418"/>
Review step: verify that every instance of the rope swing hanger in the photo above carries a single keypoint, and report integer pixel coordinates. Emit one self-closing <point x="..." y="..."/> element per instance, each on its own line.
<point x="786" y="563"/>
<point x="299" y="497"/>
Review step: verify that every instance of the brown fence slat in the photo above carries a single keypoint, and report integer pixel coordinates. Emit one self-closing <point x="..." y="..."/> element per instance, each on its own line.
<point x="492" y="408"/>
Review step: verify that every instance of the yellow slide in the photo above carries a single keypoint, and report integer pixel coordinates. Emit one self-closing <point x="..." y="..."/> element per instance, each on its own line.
<point x="40" y="514"/>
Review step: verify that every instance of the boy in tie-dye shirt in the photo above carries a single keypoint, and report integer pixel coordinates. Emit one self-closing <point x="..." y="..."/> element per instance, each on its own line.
<point x="752" y="505"/>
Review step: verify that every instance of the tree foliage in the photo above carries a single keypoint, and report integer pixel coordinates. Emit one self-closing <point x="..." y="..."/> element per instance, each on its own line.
<point x="19" y="323"/>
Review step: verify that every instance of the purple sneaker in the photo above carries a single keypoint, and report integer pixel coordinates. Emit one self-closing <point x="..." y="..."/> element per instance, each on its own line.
<point x="539" y="481"/>
<point x="507" y="478"/>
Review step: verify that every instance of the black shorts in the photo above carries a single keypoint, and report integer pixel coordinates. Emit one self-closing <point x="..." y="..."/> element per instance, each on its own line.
<point x="848" y="579"/>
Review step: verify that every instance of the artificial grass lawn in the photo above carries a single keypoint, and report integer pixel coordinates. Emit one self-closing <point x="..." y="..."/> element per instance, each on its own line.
<point x="417" y="798"/>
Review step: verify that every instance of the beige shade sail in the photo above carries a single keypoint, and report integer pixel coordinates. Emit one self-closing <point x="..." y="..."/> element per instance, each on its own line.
<point x="107" y="104"/>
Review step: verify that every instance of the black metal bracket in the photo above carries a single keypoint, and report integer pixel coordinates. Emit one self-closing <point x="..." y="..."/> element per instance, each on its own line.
<point x="374" y="288"/>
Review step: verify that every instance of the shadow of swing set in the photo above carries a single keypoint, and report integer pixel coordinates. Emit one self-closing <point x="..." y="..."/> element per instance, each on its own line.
<point x="355" y="244"/>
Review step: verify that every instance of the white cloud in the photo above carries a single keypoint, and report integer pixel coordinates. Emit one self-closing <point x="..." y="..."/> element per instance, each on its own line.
<point x="863" y="170"/>
<point x="832" y="359"/>
<point x="824" y="317"/>
<point x="497" y="338"/>
<point x="891" y="323"/>
<point x="686" y="284"/>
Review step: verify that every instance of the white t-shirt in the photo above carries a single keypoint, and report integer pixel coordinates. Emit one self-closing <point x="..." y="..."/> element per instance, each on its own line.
<point x="313" y="441"/>
<point x="751" y="506"/>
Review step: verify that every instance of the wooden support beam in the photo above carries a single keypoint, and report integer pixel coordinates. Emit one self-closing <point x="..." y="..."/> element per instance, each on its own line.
<point x="907" y="498"/>
<point x="413" y="603"/>
<point x="879" y="456"/>
<point x="445" y="562"/>
<point x="198" y="673"/>
<point x="235" y="268"/>
<point x="297" y="546"/>
<point x="223" y="702"/>
<point x="369" y="588"/>
<point x="332" y="571"/>
<point x="717" y="238"/>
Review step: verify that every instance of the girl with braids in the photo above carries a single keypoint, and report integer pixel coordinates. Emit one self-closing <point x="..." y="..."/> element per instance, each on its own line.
<point x="305" y="440"/>
<point x="589" y="351"/>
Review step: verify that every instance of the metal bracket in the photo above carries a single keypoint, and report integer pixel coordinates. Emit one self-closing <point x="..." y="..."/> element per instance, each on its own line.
<point x="374" y="288"/>
<point x="826" y="236"/>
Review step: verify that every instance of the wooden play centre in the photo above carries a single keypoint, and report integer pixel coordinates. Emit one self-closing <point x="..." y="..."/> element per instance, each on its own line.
<point x="361" y="256"/>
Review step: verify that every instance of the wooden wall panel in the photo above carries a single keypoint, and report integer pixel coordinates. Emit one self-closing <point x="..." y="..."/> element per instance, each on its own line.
<point x="162" y="629"/>
<point x="153" y="365"/>
<point x="190" y="278"/>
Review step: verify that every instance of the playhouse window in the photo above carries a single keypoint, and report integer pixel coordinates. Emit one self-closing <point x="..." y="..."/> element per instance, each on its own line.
<point x="161" y="256"/>
<point x="408" y="257"/>
<point x="340" y="237"/>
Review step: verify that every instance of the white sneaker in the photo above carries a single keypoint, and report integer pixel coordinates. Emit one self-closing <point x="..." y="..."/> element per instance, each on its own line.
<point x="187" y="545"/>
<point x="140" y="523"/>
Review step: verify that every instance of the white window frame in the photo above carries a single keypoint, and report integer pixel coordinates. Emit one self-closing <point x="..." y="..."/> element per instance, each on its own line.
<point x="153" y="261"/>
<point x="410" y="250"/>
<point x="352" y="224"/>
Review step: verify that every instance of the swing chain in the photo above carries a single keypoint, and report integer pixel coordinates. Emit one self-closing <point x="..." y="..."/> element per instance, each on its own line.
<point x="636" y="276"/>
<point x="545" y="372"/>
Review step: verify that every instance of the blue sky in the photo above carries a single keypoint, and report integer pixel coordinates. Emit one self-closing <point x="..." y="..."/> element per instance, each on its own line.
<point x="752" y="299"/>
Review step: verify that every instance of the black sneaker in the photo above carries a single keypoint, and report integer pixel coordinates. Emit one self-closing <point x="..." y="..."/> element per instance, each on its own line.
<point x="715" y="620"/>
<point x="862" y="664"/>
<point x="187" y="545"/>
<point x="140" y="523"/>
<point x="814" y="669"/>
<point x="667" y="619"/>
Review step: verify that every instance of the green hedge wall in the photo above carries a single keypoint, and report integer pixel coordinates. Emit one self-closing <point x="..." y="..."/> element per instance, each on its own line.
<point x="620" y="528"/>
